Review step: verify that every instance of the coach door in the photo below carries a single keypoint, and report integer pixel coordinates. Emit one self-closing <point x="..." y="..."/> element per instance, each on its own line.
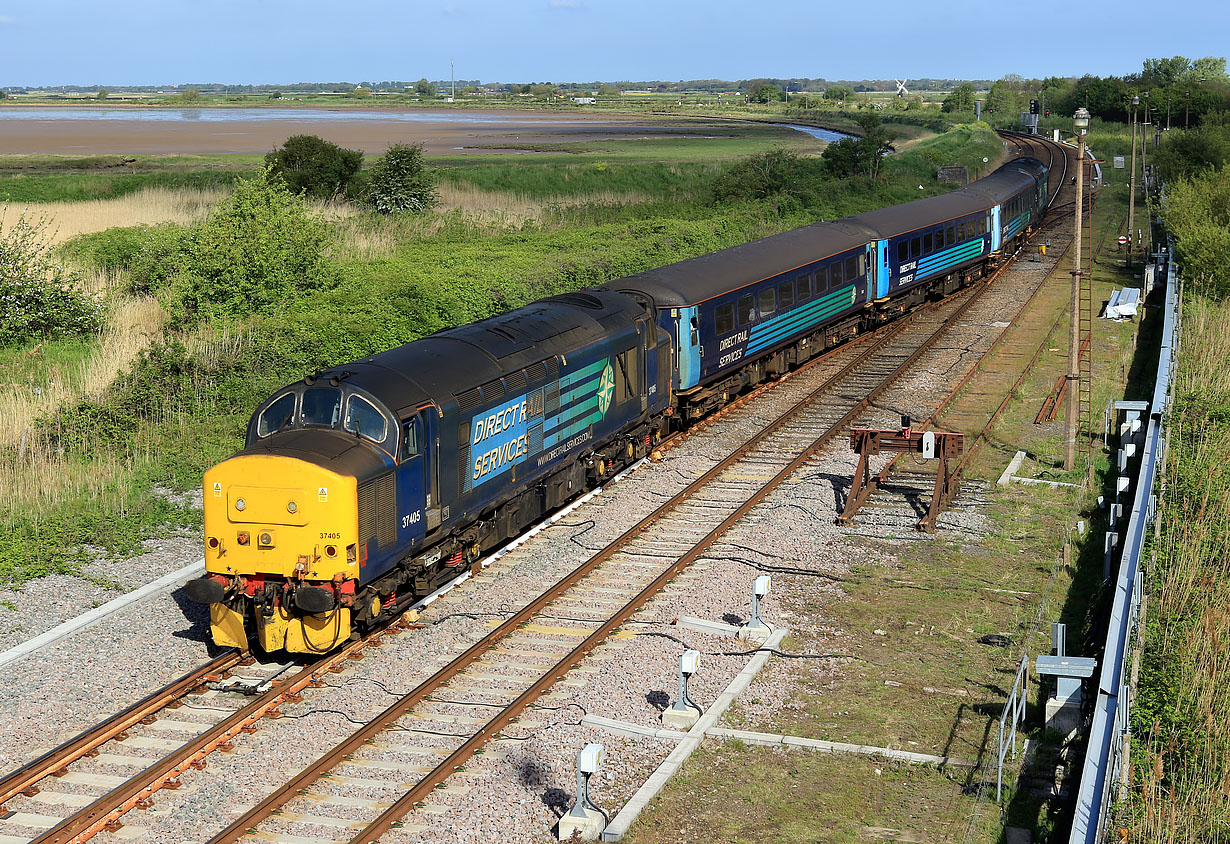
<point x="689" y="347"/>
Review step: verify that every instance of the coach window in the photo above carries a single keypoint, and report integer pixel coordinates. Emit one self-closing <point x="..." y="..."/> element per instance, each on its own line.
<point x="747" y="310"/>
<point x="364" y="419"/>
<point x="785" y="294"/>
<point x="725" y="318"/>
<point x="767" y="302"/>
<point x="928" y="242"/>
<point x="852" y="269"/>
<point x="915" y="247"/>
<point x="804" y="287"/>
<point x="960" y="232"/>
<point x="321" y="406"/>
<point x="950" y="235"/>
<point x="835" y="277"/>
<point x="822" y="280"/>
<point x="903" y="252"/>
<point x="276" y="416"/>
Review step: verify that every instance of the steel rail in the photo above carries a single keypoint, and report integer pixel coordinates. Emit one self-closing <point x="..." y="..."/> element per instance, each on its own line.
<point x="137" y="793"/>
<point x="25" y="779"/>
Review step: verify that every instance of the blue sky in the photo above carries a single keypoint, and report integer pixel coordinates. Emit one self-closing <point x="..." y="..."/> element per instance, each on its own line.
<point x="121" y="42"/>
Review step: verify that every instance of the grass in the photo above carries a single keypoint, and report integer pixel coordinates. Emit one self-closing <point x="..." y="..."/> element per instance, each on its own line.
<point x="140" y="207"/>
<point x="1181" y="741"/>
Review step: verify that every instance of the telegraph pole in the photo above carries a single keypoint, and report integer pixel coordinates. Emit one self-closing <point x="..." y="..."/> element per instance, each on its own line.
<point x="1081" y="122"/>
<point x="1132" y="188"/>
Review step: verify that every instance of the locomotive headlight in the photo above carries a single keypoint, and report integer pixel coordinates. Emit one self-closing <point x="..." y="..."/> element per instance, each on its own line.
<point x="240" y="504"/>
<point x="291" y="507"/>
<point x="265" y="539"/>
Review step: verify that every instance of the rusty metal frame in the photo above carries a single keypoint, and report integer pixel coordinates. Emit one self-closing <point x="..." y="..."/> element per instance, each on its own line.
<point x="868" y="442"/>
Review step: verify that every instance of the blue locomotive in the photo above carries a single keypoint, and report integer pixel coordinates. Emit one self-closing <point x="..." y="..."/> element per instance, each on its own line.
<point x="364" y="487"/>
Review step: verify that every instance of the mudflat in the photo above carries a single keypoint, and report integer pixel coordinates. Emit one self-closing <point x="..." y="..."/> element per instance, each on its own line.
<point x="120" y="131"/>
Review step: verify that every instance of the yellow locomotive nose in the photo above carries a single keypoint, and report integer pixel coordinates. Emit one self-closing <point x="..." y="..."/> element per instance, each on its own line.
<point x="272" y="556"/>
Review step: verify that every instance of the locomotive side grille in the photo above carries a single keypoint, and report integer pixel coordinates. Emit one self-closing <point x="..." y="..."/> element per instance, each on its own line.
<point x="536" y="372"/>
<point x="465" y="482"/>
<point x="551" y="400"/>
<point x="367" y="512"/>
<point x="493" y="390"/>
<point x="553" y="367"/>
<point x="386" y="511"/>
<point x="469" y="400"/>
<point x="516" y="382"/>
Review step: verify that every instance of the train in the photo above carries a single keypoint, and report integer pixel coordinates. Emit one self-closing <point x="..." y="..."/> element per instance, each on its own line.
<point x="364" y="487"/>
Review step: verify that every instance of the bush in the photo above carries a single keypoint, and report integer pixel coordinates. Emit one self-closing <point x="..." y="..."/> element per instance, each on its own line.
<point x="260" y="248"/>
<point x="39" y="298"/>
<point x="399" y="181"/>
<point x="316" y="167"/>
<point x="777" y="173"/>
<point x="148" y="255"/>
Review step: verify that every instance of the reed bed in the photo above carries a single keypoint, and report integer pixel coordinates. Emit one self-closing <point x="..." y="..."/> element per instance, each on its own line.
<point x="148" y="206"/>
<point x="1182" y="760"/>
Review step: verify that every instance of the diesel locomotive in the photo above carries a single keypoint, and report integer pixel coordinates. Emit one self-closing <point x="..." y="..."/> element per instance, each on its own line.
<point x="364" y="487"/>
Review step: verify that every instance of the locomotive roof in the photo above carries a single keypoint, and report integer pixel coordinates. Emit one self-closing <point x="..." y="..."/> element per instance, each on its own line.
<point x="697" y="279"/>
<point x="706" y="276"/>
<point x="449" y="362"/>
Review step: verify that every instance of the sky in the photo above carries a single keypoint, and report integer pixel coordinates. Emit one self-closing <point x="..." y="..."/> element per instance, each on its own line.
<point x="168" y="42"/>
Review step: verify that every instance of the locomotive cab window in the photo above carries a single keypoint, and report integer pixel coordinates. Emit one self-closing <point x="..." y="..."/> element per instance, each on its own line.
<point x="768" y="302"/>
<point x="276" y="416"/>
<point x="785" y="294"/>
<point x="321" y="406"/>
<point x="725" y="319"/>
<point x="410" y="439"/>
<point x="364" y="419"/>
<point x="747" y="310"/>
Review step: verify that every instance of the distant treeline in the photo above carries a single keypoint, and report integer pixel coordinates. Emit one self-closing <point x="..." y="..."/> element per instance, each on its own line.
<point x="796" y="85"/>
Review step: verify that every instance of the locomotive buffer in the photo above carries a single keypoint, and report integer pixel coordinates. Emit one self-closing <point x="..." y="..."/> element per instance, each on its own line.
<point x="945" y="447"/>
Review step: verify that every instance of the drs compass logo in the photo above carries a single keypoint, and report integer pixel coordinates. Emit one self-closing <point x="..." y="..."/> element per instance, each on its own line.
<point x="606" y="388"/>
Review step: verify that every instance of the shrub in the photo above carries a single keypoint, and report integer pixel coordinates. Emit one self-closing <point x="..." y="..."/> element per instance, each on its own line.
<point x="777" y="173"/>
<point x="314" y="166"/>
<point x="148" y="255"/>
<point x="399" y="181"/>
<point x="38" y="297"/>
<point x="259" y="248"/>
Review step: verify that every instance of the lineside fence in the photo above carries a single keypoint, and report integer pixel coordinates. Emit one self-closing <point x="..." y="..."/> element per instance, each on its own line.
<point x="1109" y="738"/>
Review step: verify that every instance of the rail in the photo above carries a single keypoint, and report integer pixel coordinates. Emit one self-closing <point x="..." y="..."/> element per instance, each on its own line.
<point x="1105" y="753"/>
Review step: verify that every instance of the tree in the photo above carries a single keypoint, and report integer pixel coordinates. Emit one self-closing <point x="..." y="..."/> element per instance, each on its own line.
<point x="778" y="172"/>
<point x="609" y="90"/>
<point x="102" y="93"/>
<point x="424" y="88"/>
<point x="961" y="98"/>
<point x="190" y="95"/>
<point x="360" y="93"/>
<point x="315" y="167"/>
<point x="842" y="93"/>
<point x="860" y="156"/>
<point x="39" y="297"/>
<point x="400" y="182"/>
<point x="766" y="93"/>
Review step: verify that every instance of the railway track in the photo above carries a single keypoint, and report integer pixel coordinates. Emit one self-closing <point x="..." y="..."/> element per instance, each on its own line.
<point x="507" y="671"/>
<point x="403" y="756"/>
<point x="975" y="404"/>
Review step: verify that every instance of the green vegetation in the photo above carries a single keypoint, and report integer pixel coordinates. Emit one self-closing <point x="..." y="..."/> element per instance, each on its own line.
<point x="315" y="167"/>
<point x="39" y="298"/>
<point x="400" y="182"/>
<point x="262" y="293"/>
